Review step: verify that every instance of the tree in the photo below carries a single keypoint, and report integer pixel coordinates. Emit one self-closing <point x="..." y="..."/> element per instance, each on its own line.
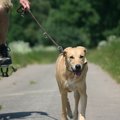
<point x="25" y="28"/>
<point x="71" y="22"/>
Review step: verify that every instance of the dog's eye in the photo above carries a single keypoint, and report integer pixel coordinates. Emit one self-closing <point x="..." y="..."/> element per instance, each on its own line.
<point x="71" y="57"/>
<point x="81" y="56"/>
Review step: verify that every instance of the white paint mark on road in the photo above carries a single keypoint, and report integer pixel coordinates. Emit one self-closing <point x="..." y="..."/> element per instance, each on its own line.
<point x="28" y="93"/>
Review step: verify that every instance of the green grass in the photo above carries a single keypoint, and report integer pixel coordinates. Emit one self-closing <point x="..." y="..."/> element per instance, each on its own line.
<point x="1" y="107"/>
<point x="32" y="82"/>
<point x="108" y="58"/>
<point x="35" y="57"/>
<point x="40" y="57"/>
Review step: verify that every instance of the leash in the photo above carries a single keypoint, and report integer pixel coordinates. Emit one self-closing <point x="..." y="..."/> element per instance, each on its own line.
<point x="21" y="11"/>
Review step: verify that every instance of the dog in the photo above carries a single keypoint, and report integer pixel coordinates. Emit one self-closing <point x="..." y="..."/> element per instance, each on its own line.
<point x="71" y="71"/>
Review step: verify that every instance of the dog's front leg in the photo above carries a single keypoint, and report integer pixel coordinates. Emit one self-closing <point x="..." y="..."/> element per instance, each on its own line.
<point x="83" y="102"/>
<point x="69" y="111"/>
<point x="77" y="98"/>
<point x="64" y="105"/>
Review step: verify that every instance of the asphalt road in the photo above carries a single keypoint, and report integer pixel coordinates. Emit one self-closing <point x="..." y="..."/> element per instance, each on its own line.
<point x="32" y="94"/>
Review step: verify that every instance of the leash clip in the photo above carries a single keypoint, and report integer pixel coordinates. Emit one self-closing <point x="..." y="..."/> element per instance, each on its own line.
<point x="21" y="11"/>
<point x="60" y="48"/>
<point x="45" y="35"/>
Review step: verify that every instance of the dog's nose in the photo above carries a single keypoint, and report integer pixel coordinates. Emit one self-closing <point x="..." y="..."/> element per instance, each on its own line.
<point x="78" y="67"/>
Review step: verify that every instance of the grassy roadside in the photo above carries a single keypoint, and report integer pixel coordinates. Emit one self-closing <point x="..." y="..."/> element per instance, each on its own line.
<point x="40" y="57"/>
<point x="22" y="55"/>
<point x="108" y="57"/>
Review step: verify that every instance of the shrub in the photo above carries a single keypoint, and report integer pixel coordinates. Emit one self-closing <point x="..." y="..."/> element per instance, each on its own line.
<point x="108" y="58"/>
<point x="20" y="47"/>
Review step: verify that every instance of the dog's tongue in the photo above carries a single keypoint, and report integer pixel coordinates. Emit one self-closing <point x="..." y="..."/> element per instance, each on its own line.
<point x="78" y="73"/>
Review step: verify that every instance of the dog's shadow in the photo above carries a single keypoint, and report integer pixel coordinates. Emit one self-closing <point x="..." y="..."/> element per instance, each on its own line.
<point x="18" y="115"/>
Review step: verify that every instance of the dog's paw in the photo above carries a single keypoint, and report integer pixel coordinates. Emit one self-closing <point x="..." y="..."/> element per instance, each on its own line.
<point x="64" y="118"/>
<point x="70" y="114"/>
<point x="81" y="117"/>
<point x="75" y="117"/>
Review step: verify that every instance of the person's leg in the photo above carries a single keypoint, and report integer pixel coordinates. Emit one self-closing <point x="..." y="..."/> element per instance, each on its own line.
<point x="5" y="59"/>
<point x="3" y="25"/>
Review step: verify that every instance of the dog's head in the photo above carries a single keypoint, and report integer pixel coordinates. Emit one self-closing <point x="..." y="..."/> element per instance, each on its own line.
<point x="75" y="59"/>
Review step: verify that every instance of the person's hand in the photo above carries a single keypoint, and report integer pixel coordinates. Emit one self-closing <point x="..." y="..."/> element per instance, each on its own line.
<point x="25" y="4"/>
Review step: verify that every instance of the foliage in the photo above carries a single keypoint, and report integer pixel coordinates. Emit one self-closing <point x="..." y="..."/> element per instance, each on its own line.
<point x="22" y="54"/>
<point x="108" y="57"/>
<point x="20" y="47"/>
<point x="34" y="57"/>
<point x="70" y="22"/>
<point x="25" y="28"/>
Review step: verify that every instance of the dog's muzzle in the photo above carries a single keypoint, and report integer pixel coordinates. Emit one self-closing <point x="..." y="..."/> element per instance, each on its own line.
<point x="77" y="69"/>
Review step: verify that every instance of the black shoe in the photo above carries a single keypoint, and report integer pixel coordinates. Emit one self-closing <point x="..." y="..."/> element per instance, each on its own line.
<point x="5" y="58"/>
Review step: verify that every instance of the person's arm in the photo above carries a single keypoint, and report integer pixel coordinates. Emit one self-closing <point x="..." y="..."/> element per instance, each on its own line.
<point x="25" y="4"/>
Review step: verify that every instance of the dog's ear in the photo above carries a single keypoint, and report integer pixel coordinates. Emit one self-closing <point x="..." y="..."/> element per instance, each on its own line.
<point x="85" y="61"/>
<point x="85" y="50"/>
<point x="82" y="48"/>
<point x="66" y="50"/>
<point x="64" y="53"/>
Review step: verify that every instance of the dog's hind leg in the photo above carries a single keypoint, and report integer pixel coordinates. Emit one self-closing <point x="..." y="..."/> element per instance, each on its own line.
<point x="77" y="98"/>
<point x="69" y="111"/>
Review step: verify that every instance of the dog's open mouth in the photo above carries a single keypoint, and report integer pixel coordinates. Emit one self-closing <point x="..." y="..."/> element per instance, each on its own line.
<point x="77" y="72"/>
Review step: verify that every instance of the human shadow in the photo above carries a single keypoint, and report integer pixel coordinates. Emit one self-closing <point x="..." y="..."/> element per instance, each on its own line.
<point x="15" y="115"/>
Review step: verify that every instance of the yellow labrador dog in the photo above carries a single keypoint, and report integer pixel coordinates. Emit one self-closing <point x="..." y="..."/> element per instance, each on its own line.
<point x="71" y="70"/>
